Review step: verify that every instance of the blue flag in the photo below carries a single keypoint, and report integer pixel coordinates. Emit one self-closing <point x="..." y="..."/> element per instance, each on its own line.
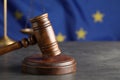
<point x="72" y="20"/>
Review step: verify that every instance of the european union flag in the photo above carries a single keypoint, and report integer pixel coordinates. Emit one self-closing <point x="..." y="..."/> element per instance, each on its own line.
<point x="72" y="20"/>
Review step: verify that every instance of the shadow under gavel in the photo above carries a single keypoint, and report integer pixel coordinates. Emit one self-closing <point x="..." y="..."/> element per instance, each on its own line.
<point x="51" y="61"/>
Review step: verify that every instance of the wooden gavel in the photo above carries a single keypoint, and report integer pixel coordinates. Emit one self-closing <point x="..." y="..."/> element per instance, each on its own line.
<point x="51" y="61"/>
<point x="43" y="35"/>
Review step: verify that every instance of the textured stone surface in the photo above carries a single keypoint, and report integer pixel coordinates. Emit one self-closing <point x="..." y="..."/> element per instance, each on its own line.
<point x="95" y="61"/>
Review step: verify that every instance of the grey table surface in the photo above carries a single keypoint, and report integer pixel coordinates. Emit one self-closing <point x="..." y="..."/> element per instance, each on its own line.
<point x="95" y="61"/>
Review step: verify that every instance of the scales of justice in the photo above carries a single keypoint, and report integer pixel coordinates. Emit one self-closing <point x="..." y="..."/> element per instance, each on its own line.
<point x="51" y="61"/>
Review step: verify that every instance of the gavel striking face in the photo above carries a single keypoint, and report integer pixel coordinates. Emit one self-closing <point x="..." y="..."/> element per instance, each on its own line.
<point x="51" y="61"/>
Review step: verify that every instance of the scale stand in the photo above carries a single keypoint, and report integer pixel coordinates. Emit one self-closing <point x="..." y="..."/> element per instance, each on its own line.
<point x="5" y="41"/>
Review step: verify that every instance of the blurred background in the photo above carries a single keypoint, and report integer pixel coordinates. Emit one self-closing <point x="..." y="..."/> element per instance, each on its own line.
<point x="72" y="20"/>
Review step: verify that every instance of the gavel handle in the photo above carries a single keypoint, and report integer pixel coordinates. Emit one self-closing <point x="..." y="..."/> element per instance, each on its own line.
<point x="9" y="48"/>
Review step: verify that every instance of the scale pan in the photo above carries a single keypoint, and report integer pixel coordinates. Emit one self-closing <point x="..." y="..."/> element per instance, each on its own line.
<point x="27" y="31"/>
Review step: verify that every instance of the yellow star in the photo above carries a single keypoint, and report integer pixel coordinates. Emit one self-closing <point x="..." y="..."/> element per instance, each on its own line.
<point x="60" y="37"/>
<point x="98" y="16"/>
<point x="81" y="34"/>
<point x="18" y="15"/>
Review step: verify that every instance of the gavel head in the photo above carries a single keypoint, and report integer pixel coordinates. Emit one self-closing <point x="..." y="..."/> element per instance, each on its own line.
<point x="44" y="35"/>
